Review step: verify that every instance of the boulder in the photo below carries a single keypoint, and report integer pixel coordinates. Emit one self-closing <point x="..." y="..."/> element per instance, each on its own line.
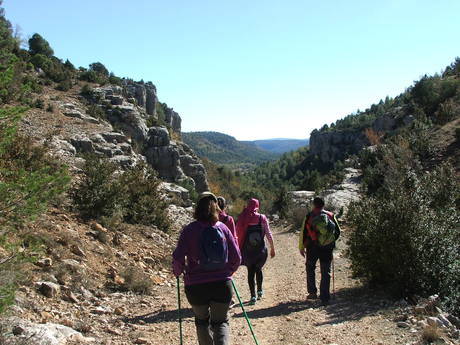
<point x="45" y="262"/>
<point x="339" y="197"/>
<point x="112" y="137"/>
<point x="82" y="144"/>
<point x="175" y="194"/>
<point x="302" y="198"/>
<point x="140" y="94"/>
<point x="73" y="113"/>
<point x="158" y="136"/>
<point x="165" y="160"/>
<point x="151" y="100"/>
<point x="31" y="333"/>
<point x="63" y="147"/>
<point x="48" y="289"/>
<point x="336" y="145"/>
<point x="173" y="120"/>
<point x="128" y="118"/>
<point x="116" y="100"/>
<point x="124" y="161"/>
<point x="384" y="123"/>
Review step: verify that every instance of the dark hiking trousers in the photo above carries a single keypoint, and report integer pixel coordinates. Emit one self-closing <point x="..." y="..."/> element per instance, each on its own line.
<point x="210" y="303"/>
<point x="255" y="272"/>
<point x="324" y="255"/>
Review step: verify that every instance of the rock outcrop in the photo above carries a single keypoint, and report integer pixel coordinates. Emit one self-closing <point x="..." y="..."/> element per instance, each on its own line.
<point x="334" y="145"/>
<point x="337" y="199"/>
<point x="133" y="126"/>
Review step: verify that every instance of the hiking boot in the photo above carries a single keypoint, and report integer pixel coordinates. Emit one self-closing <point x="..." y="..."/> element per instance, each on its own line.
<point x="253" y="300"/>
<point x="260" y="294"/>
<point x="312" y="296"/>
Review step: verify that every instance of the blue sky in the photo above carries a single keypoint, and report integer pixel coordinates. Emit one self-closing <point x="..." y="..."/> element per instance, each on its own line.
<point x="254" y="69"/>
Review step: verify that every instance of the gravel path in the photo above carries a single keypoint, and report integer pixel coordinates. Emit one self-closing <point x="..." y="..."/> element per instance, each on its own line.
<point x="355" y="316"/>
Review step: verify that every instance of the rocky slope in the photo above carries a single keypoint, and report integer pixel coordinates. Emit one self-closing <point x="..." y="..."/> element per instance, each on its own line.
<point x="123" y="124"/>
<point x="335" y="145"/>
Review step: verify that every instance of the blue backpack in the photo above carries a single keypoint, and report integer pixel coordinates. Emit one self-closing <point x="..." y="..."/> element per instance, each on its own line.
<point x="214" y="249"/>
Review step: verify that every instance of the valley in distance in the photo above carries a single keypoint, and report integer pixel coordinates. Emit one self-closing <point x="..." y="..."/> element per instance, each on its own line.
<point x="224" y="149"/>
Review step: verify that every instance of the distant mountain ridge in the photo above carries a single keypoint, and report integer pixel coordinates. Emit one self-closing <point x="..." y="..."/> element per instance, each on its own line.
<point x="280" y="145"/>
<point x="224" y="149"/>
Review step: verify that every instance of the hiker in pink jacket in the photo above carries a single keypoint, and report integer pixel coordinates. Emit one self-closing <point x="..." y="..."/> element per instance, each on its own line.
<point x="251" y="229"/>
<point x="226" y="218"/>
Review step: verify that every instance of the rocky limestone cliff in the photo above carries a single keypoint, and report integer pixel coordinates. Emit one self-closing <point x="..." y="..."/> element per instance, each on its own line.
<point x="334" y="145"/>
<point x="121" y="123"/>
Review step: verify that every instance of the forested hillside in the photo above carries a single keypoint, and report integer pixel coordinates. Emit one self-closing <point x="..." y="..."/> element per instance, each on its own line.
<point x="280" y="146"/>
<point x="225" y="149"/>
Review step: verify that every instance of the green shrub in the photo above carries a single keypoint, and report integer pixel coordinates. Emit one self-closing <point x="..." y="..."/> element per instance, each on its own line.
<point x="97" y="195"/>
<point x="39" y="103"/>
<point x="41" y="61"/>
<point x="283" y="204"/>
<point x="97" y="73"/>
<point x="89" y="76"/>
<point x="86" y="90"/>
<point x="99" y="68"/>
<point x="190" y="186"/>
<point x="96" y="111"/>
<point x="136" y="280"/>
<point x="131" y="195"/>
<point x="64" y="85"/>
<point x="29" y="181"/>
<point x="113" y="79"/>
<point x="142" y="202"/>
<point x="38" y="45"/>
<point x="406" y="235"/>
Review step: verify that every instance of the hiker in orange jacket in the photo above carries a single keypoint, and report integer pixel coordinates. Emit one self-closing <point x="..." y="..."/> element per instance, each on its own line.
<point x="315" y="244"/>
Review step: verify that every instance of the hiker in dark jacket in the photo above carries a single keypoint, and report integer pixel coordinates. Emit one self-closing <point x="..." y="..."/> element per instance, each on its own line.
<point x="208" y="289"/>
<point x="225" y="218"/>
<point x="252" y="228"/>
<point x="315" y="244"/>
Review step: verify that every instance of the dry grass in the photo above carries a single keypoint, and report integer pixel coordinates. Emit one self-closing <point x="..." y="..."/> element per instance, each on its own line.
<point x="296" y="216"/>
<point x="431" y="334"/>
<point x="136" y="280"/>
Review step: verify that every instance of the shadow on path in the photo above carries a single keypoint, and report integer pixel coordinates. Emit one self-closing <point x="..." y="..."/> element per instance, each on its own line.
<point x="347" y="305"/>
<point x="161" y="316"/>
<point x="167" y="315"/>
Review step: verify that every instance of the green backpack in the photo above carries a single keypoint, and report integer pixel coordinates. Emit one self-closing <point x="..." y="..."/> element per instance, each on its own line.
<point x="326" y="229"/>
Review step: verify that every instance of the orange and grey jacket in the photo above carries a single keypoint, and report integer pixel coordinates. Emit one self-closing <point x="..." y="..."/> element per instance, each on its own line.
<point x="306" y="233"/>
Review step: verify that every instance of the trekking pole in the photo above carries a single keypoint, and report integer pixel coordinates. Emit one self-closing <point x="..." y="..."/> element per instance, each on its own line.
<point x="178" y="310"/>
<point x="244" y="313"/>
<point x="333" y="279"/>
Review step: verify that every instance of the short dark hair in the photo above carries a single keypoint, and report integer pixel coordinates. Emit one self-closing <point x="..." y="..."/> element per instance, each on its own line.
<point x="221" y="202"/>
<point x="206" y="210"/>
<point x="318" y="202"/>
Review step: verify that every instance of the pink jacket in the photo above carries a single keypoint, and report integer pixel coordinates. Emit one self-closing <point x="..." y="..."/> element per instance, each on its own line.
<point x="250" y="216"/>
<point x="228" y="220"/>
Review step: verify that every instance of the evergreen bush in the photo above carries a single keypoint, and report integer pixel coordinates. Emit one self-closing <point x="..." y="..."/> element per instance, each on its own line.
<point x="132" y="195"/>
<point x="98" y="193"/>
<point x="38" y="45"/>
<point x="406" y="235"/>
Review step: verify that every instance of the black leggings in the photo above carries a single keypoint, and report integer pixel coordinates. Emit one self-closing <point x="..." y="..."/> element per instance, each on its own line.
<point x="255" y="273"/>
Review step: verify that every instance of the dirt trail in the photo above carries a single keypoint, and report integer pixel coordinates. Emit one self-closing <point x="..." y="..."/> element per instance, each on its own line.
<point x="355" y="316"/>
